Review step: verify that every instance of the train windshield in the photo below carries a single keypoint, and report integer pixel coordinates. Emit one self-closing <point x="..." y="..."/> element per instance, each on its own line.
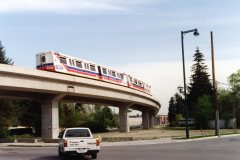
<point x="43" y="58"/>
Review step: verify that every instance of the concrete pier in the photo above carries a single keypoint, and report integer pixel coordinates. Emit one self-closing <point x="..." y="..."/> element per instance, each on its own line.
<point x="123" y="119"/>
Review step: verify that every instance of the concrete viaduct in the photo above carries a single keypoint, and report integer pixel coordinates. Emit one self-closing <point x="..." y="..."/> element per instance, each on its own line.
<point x="49" y="88"/>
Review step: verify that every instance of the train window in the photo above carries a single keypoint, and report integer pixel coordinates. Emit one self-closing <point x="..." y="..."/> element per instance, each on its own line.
<point x="130" y="79"/>
<point x="79" y="64"/>
<point x="86" y="66"/>
<point x="43" y="58"/>
<point x="63" y="60"/>
<point x="104" y="70"/>
<point x="92" y="68"/>
<point x="121" y="76"/>
<point x="114" y="73"/>
<point x="135" y="81"/>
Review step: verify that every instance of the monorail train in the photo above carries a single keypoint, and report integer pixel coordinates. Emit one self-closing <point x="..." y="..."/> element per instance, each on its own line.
<point x="58" y="62"/>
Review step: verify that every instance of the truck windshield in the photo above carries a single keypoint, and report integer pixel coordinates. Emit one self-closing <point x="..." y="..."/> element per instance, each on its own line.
<point x="77" y="133"/>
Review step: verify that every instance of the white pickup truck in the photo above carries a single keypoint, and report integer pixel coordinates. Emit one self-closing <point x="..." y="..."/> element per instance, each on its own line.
<point x="78" y="141"/>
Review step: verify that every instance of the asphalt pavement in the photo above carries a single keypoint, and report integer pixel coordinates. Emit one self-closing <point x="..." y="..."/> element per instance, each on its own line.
<point x="226" y="147"/>
<point x="136" y="137"/>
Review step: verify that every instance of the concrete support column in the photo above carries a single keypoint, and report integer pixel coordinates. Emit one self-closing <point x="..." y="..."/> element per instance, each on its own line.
<point x="145" y="119"/>
<point x="151" y="119"/>
<point x="50" y="119"/>
<point x="123" y="119"/>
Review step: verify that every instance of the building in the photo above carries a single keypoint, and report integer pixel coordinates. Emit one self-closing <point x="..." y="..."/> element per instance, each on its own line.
<point x="161" y="120"/>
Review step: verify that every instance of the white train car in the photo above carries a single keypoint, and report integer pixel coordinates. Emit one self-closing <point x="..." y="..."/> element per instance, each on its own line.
<point x="58" y="62"/>
<point x="147" y="88"/>
<point x="112" y="76"/>
<point x="135" y="83"/>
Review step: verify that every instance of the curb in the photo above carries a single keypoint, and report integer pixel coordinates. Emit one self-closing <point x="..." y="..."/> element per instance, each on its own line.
<point x="205" y="138"/>
<point x="29" y="145"/>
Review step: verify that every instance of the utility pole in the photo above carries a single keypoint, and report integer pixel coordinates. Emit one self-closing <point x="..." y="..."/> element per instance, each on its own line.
<point x="214" y="91"/>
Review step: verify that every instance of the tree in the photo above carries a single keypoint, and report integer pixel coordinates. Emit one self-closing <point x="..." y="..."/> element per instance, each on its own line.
<point x="227" y="104"/>
<point x="8" y="111"/>
<point x="200" y="83"/>
<point x="20" y="112"/>
<point x="203" y="112"/>
<point x="8" y="116"/>
<point x="70" y="115"/>
<point x="102" y="119"/>
<point x="175" y="110"/>
<point x="5" y="105"/>
<point x="97" y="118"/>
<point x="180" y="105"/>
<point x="29" y="115"/>
<point x="3" y="58"/>
<point x="234" y="80"/>
<point x="171" y="112"/>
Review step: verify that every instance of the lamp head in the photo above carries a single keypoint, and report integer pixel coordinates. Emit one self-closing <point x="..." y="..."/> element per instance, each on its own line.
<point x="195" y="33"/>
<point x="180" y="88"/>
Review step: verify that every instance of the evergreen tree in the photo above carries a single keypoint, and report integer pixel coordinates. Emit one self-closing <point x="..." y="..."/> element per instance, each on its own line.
<point x="3" y="58"/>
<point x="176" y="108"/>
<point x="200" y="83"/>
<point x="180" y="105"/>
<point x="171" y="112"/>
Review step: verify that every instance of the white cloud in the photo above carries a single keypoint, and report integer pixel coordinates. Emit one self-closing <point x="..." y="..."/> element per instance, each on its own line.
<point x="68" y="6"/>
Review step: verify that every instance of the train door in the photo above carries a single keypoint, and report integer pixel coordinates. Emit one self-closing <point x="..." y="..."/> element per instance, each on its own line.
<point x="124" y="79"/>
<point x="129" y="81"/>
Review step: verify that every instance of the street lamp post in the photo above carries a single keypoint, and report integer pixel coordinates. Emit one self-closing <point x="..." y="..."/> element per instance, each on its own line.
<point x="195" y="33"/>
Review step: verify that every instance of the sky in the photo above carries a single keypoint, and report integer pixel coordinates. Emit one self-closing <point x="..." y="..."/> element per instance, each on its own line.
<point x="140" y="37"/>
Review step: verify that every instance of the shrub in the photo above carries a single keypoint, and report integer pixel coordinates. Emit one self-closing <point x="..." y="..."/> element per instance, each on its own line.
<point x="4" y="133"/>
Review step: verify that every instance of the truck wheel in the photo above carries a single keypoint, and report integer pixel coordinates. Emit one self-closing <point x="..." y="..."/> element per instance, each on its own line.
<point x="94" y="156"/>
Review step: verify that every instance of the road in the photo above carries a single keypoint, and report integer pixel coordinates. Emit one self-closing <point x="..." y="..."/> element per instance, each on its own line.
<point x="211" y="149"/>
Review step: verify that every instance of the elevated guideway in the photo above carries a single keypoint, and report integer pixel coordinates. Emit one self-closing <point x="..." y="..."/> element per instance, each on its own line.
<point x="49" y="88"/>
